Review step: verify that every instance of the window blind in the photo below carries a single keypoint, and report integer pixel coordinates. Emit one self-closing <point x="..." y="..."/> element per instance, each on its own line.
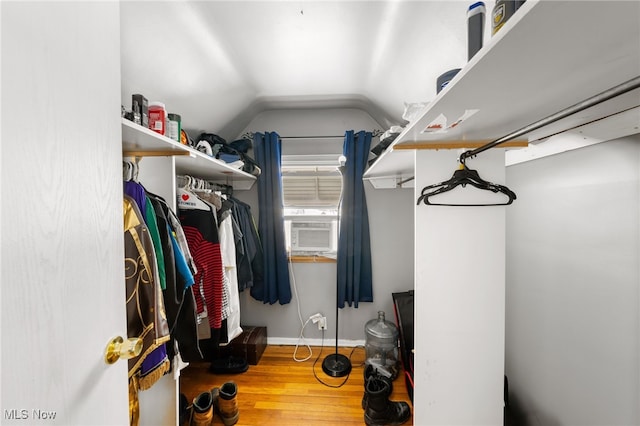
<point x="310" y="189"/>
<point x="311" y="180"/>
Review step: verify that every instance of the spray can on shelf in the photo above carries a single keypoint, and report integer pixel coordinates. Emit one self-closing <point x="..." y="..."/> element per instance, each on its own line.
<point x="475" y="28"/>
<point x="140" y="104"/>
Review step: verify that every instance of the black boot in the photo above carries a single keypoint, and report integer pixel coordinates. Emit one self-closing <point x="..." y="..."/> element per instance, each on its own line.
<point x="371" y="372"/>
<point x="380" y="411"/>
<point x="183" y="410"/>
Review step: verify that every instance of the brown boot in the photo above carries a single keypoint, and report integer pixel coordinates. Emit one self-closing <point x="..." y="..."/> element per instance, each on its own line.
<point x="227" y="404"/>
<point x="202" y="411"/>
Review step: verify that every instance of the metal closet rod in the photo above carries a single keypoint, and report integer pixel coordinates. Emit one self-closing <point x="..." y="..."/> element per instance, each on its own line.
<point x="618" y="90"/>
<point x="312" y="137"/>
<point x="374" y="133"/>
<point x="249" y="135"/>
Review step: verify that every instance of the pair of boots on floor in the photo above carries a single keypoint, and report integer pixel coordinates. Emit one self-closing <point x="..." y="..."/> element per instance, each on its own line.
<point x="222" y="401"/>
<point x="378" y="410"/>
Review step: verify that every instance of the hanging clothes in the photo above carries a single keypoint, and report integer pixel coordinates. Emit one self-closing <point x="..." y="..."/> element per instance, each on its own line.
<point x="143" y="301"/>
<point x="152" y="223"/>
<point x="136" y="191"/>
<point x="178" y="297"/>
<point x="228" y="249"/>
<point x="249" y="256"/>
<point x="181" y="240"/>
<point x="198" y="223"/>
<point x="243" y="262"/>
<point x="214" y="201"/>
<point x="156" y="363"/>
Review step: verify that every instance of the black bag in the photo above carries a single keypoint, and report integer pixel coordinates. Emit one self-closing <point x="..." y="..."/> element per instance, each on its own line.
<point x="403" y="308"/>
<point x="242" y="145"/>
<point x="212" y="138"/>
<point x="237" y="148"/>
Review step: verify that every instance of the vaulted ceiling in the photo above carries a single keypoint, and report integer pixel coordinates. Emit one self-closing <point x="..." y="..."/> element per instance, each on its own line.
<point x="219" y="63"/>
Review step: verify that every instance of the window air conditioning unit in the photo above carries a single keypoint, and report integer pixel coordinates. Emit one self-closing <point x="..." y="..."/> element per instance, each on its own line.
<point x="312" y="236"/>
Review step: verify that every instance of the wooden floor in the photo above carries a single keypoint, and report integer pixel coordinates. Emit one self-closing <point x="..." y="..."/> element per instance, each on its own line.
<point x="280" y="391"/>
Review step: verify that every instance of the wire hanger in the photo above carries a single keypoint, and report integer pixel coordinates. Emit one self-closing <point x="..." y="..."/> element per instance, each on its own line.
<point x="194" y="184"/>
<point x="463" y="177"/>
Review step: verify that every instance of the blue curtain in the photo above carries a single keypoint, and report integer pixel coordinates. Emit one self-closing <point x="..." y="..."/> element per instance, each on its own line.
<point x="276" y="286"/>
<point x="354" y="246"/>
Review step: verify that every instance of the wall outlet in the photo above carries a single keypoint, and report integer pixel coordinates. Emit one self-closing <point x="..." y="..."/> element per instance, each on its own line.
<point x="322" y="324"/>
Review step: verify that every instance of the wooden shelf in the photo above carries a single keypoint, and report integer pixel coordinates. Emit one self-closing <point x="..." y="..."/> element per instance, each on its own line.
<point x="140" y="141"/>
<point x="547" y="57"/>
<point x="454" y="144"/>
<point x="311" y="259"/>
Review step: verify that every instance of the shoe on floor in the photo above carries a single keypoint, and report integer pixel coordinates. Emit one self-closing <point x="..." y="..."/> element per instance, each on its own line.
<point x="229" y="365"/>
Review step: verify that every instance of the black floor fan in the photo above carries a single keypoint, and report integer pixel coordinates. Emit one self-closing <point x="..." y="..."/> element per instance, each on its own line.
<point x="337" y="365"/>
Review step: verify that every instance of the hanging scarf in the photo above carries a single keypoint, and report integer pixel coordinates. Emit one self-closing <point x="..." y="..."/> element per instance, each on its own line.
<point x="146" y="317"/>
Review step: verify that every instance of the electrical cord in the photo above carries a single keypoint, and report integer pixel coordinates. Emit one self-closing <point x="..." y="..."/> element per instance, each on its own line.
<point x="302" y="338"/>
<point x="318" y="357"/>
<point x="302" y="324"/>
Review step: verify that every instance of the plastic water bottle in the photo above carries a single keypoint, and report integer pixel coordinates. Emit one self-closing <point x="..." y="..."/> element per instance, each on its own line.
<point x="381" y="345"/>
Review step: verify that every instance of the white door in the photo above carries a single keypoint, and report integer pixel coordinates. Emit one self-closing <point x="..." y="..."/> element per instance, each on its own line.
<point x="62" y="289"/>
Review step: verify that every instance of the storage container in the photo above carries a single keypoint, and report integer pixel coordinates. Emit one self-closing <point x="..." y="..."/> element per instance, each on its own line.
<point x="502" y="11"/>
<point x="157" y="117"/>
<point x="250" y="344"/>
<point x="381" y="345"/>
<point x="475" y="28"/>
<point x="174" y="127"/>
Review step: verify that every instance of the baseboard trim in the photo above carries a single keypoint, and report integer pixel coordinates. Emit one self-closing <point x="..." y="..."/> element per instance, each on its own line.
<point x="290" y="341"/>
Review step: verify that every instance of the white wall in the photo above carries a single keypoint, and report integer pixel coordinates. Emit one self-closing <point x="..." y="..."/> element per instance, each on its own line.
<point x="391" y="226"/>
<point x="459" y="299"/>
<point x="573" y="287"/>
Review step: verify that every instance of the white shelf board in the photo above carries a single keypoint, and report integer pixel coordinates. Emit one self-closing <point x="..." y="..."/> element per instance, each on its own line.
<point x="136" y="138"/>
<point x="548" y="56"/>
<point x="616" y="126"/>
<point x="189" y="161"/>
<point x="200" y="165"/>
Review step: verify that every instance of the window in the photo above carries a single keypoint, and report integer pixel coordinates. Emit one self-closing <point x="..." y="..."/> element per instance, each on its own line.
<point x="311" y="186"/>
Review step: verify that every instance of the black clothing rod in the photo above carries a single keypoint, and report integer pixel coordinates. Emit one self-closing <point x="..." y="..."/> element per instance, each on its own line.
<point x="625" y="87"/>
<point x="374" y="133"/>
<point x="312" y="137"/>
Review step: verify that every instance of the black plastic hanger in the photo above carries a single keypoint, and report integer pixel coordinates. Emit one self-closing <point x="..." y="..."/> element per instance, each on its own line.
<point x="463" y="177"/>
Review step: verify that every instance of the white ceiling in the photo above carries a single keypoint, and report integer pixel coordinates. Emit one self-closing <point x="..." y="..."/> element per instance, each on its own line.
<point x="219" y="63"/>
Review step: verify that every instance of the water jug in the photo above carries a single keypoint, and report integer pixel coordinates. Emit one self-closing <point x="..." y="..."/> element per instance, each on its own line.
<point x="381" y="345"/>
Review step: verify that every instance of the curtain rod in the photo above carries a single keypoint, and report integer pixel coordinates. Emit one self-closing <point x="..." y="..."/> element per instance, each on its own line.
<point x="620" y="89"/>
<point x="312" y="137"/>
<point x="374" y="133"/>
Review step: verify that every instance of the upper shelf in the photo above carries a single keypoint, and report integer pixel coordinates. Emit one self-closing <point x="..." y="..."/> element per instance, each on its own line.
<point x="140" y="141"/>
<point x="550" y="55"/>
